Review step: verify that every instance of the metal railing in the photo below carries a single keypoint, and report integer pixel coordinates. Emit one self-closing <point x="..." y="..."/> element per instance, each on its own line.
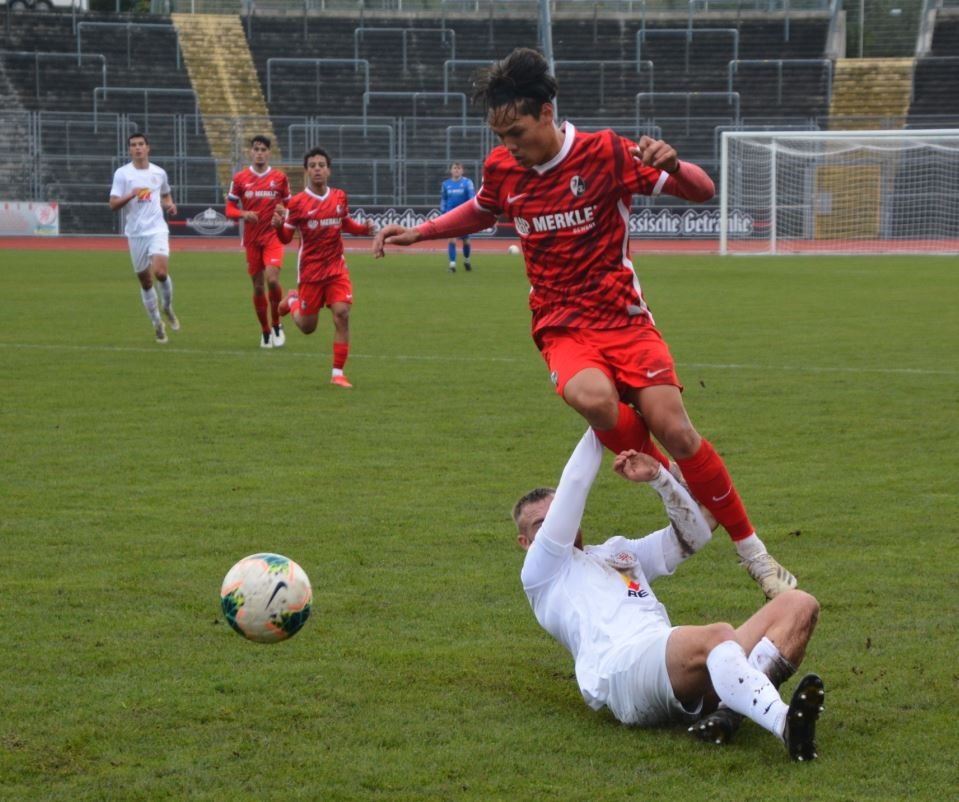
<point x="146" y="92"/>
<point x="452" y="63"/>
<point x="687" y="99"/>
<point x="414" y="97"/>
<point x="689" y="34"/>
<point x="446" y="34"/>
<point x="780" y="64"/>
<point x="129" y="27"/>
<point x="639" y="66"/>
<point x="358" y="63"/>
<point x="38" y="56"/>
<point x="308" y="135"/>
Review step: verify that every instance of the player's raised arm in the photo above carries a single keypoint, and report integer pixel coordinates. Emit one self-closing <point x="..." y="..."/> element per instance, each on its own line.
<point x="393" y="234"/>
<point x="467" y="218"/>
<point x="686" y="180"/>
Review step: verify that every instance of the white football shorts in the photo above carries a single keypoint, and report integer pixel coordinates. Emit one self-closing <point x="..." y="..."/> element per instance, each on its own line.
<point x="142" y="249"/>
<point x="639" y="689"/>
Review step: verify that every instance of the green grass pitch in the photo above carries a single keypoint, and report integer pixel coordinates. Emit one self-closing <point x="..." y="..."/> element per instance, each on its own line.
<point x="134" y="475"/>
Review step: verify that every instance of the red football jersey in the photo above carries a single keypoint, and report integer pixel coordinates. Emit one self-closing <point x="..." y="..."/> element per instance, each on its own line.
<point x="573" y="216"/>
<point x="320" y="221"/>
<point x="259" y="192"/>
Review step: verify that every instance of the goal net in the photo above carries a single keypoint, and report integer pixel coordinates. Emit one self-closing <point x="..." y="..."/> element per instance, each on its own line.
<point x="839" y="191"/>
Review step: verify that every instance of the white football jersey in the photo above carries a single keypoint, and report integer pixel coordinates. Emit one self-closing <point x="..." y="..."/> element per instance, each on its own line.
<point x="598" y="602"/>
<point x="144" y="214"/>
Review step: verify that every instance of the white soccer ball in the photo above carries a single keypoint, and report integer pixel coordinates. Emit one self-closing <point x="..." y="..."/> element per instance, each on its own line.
<point x="513" y="250"/>
<point x="266" y="597"/>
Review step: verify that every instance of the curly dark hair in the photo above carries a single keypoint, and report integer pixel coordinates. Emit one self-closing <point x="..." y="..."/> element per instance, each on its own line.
<point x="522" y="79"/>
<point x="317" y="152"/>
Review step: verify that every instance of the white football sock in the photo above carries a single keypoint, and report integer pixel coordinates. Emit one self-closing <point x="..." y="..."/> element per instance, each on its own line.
<point x="166" y="291"/>
<point x="750" y="547"/>
<point x="767" y="658"/>
<point x="150" y="304"/>
<point x="744" y="689"/>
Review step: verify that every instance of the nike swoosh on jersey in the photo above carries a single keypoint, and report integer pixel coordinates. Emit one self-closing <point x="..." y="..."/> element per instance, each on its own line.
<point x="652" y="374"/>
<point x="514" y="198"/>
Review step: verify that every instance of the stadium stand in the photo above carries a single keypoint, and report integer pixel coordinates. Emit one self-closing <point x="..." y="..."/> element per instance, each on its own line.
<point x="934" y="98"/>
<point x="661" y="78"/>
<point x="92" y="82"/>
<point x="387" y="91"/>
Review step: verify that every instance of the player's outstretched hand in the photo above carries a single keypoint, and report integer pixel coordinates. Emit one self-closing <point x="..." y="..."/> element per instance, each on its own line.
<point x="393" y="234"/>
<point x="656" y="153"/>
<point x="635" y="466"/>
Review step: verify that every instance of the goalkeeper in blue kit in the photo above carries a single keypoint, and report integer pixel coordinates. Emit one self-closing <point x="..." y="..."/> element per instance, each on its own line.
<point x="457" y="190"/>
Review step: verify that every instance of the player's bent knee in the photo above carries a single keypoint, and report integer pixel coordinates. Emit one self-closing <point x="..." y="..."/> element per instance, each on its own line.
<point x="798" y="608"/>
<point x="723" y="631"/>
<point x="808" y="606"/>
<point x="680" y="439"/>
<point x="599" y="407"/>
<point x="714" y="634"/>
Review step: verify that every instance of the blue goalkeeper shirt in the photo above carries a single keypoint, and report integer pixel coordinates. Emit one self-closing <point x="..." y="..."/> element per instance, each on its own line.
<point x="455" y="192"/>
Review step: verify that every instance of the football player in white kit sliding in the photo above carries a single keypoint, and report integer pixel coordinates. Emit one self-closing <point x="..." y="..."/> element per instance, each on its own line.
<point x="598" y="603"/>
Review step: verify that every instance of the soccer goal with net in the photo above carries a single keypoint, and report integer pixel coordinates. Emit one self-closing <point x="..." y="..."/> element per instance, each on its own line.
<point x="839" y="191"/>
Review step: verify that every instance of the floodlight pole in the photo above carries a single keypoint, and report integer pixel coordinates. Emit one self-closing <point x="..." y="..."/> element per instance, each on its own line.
<point x="546" y="42"/>
<point x="862" y="23"/>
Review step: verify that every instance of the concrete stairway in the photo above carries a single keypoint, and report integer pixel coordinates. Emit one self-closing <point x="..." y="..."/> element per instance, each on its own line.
<point x="14" y="143"/>
<point x="227" y="87"/>
<point x="868" y="94"/>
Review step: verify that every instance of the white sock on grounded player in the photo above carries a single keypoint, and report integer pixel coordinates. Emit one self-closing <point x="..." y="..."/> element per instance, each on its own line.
<point x="150" y="304"/>
<point x="767" y="658"/>
<point x="745" y="689"/>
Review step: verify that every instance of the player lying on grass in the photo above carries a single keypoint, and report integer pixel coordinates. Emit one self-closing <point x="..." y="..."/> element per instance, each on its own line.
<point x="598" y="603"/>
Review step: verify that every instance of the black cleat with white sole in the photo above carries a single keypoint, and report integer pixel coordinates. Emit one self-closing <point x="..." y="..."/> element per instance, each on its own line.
<point x="804" y="709"/>
<point x="717" y="727"/>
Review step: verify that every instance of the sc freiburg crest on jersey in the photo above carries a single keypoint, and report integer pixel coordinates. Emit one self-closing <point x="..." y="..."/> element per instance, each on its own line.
<point x="573" y="216"/>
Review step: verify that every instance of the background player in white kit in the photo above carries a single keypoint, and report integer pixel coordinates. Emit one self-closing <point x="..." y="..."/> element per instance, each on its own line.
<point x="142" y="190"/>
<point x="597" y="602"/>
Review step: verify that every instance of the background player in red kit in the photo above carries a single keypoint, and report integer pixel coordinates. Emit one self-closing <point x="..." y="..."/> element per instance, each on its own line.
<point x="569" y="194"/>
<point x="258" y="189"/>
<point x="321" y="214"/>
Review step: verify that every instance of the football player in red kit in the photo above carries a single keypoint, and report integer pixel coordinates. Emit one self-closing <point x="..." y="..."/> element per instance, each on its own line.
<point x="258" y="189"/>
<point x="321" y="214"/>
<point x="568" y="194"/>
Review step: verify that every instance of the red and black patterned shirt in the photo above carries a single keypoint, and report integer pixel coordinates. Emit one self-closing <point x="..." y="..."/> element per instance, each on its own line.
<point x="572" y="215"/>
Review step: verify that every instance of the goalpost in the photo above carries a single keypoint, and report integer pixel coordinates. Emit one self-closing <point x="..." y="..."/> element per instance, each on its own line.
<point x="839" y="191"/>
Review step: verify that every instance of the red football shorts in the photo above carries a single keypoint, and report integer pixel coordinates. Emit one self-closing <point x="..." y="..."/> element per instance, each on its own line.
<point x="632" y="356"/>
<point x="260" y="256"/>
<point x="314" y="295"/>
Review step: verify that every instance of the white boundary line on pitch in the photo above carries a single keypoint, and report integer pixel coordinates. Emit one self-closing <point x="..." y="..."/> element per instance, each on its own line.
<point x="460" y="358"/>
